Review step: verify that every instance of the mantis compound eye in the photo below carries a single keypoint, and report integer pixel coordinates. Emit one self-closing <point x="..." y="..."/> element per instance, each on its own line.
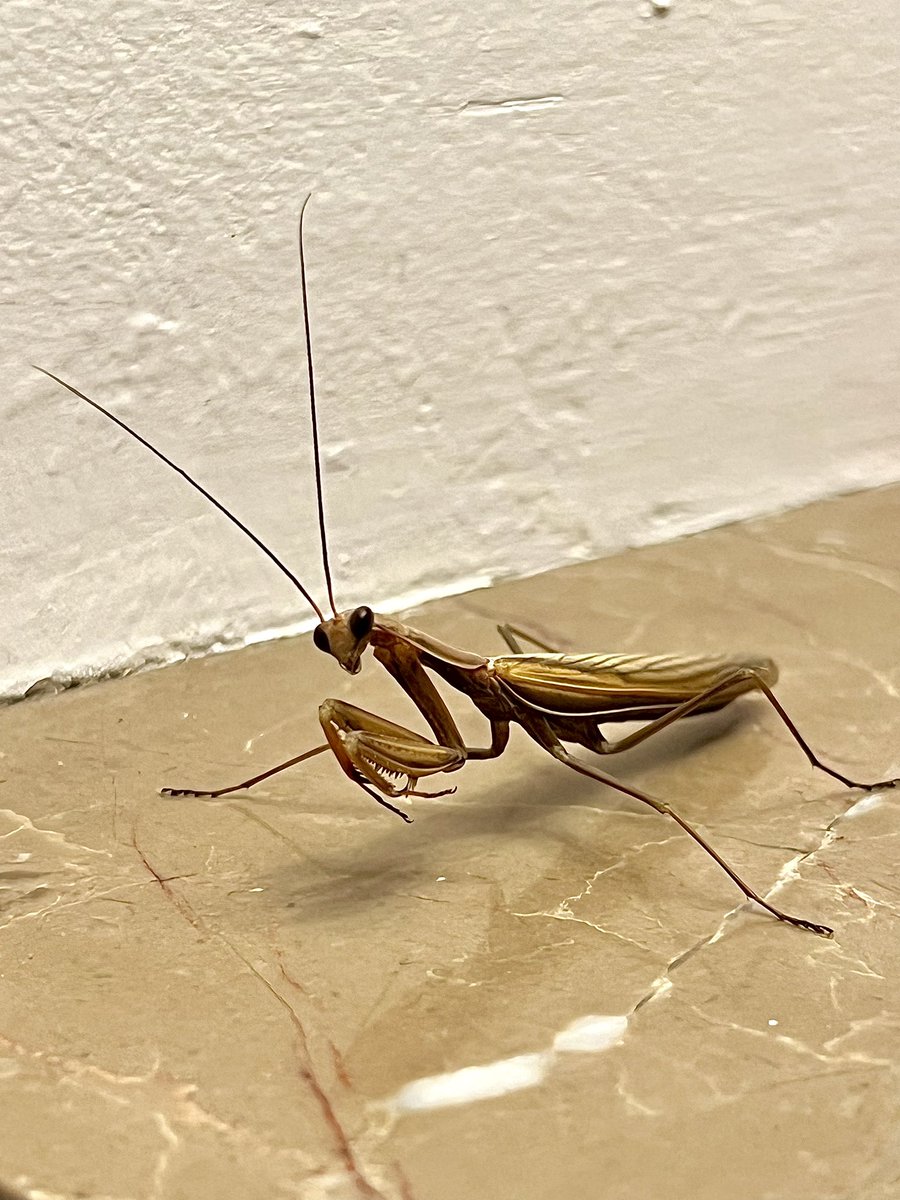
<point x="320" y="639"/>
<point x="361" y="622"/>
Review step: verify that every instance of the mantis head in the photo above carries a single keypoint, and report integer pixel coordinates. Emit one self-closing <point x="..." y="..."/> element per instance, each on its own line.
<point x="346" y="636"/>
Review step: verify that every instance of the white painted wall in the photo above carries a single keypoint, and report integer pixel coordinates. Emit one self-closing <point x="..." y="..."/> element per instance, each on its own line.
<point x="582" y="277"/>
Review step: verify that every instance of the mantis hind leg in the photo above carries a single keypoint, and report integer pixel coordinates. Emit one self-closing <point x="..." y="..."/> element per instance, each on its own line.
<point x="745" y="679"/>
<point x="559" y="752"/>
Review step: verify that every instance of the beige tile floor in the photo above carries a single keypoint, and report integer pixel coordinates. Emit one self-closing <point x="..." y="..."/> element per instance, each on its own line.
<point x="538" y="990"/>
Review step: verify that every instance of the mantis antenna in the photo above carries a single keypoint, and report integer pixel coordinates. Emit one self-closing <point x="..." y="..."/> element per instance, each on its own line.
<point x="208" y="495"/>
<point x="317" y="456"/>
<point x="194" y="484"/>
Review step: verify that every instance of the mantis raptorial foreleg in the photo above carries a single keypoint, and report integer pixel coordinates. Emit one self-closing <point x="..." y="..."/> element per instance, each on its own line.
<point x="368" y="748"/>
<point x="407" y="669"/>
<point x="374" y="751"/>
<point x="378" y="750"/>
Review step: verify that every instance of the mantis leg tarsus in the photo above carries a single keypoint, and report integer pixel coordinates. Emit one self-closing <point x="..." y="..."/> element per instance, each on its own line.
<point x="382" y="801"/>
<point x="809" y="752"/>
<point x="850" y="783"/>
<point x="558" y="751"/>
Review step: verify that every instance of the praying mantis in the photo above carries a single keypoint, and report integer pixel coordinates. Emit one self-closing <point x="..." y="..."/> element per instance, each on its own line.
<point x="558" y="699"/>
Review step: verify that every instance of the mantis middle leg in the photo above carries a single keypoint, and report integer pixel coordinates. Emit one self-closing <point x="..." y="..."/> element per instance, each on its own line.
<point x="559" y="752"/>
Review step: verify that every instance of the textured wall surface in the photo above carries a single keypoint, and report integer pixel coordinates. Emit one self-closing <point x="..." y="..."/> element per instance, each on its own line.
<point x="582" y="276"/>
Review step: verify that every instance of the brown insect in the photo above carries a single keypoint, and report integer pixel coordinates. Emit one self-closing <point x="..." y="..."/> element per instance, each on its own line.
<point x="558" y="699"/>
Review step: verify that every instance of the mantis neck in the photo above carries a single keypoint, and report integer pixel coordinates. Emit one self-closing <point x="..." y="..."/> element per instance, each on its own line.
<point x="388" y="631"/>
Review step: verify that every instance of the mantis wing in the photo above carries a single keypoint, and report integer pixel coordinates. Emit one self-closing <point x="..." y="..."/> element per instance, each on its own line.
<point x="622" y="687"/>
